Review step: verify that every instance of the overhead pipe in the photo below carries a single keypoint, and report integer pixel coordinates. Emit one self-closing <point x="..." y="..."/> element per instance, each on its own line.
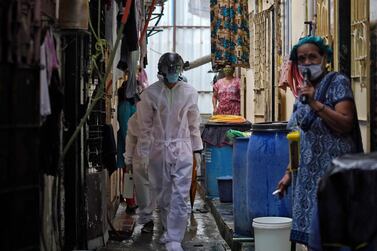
<point x="287" y="27"/>
<point x="310" y="10"/>
<point x="197" y="62"/>
<point x="311" y="13"/>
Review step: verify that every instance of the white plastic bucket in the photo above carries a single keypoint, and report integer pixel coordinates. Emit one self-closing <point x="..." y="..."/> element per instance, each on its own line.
<point x="272" y="233"/>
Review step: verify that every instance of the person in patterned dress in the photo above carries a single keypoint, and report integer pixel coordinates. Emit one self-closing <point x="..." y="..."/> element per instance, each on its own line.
<point x="328" y="127"/>
<point x="226" y="94"/>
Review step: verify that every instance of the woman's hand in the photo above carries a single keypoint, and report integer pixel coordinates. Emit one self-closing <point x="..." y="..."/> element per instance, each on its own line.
<point x="284" y="184"/>
<point x="340" y="119"/>
<point x="308" y="91"/>
<point x="214" y="104"/>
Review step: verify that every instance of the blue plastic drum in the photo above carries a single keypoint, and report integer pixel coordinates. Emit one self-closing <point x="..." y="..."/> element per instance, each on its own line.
<point x="267" y="160"/>
<point x="218" y="163"/>
<point x="241" y="215"/>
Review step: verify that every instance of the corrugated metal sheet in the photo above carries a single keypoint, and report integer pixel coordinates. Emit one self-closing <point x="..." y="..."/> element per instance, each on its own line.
<point x="193" y="12"/>
<point x="189" y="13"/>
<point x="192" y="42"/>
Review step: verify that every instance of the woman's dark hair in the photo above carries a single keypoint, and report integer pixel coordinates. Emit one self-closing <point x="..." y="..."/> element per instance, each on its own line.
<point x="324" y="49"/>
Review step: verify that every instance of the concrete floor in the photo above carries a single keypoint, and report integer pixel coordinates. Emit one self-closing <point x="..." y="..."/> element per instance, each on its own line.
<point x="201" y="234"/>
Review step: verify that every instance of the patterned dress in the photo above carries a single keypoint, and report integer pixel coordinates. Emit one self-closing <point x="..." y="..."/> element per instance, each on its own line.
<point x="228" y="96"/>
<point x="230" y="39"/>
<point x="318" y="146"/>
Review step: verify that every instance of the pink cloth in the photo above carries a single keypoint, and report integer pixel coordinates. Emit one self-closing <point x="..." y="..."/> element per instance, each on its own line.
<point x="143" y="79"/>
<point x="227" y="94"/>
<point x="51" y="55"/>
<point x="290" y="76"/>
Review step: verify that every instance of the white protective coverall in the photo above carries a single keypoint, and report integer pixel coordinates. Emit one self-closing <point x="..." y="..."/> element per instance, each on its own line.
<point x="144" y="199"/>
<point x="169" y="121"/>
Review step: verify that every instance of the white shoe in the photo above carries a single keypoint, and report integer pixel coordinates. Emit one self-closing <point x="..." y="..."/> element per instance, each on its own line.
<point x="173" y="246"/>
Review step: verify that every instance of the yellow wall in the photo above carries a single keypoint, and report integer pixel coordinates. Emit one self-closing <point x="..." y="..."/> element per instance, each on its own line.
<point x="360" y="65"/>
<point x="248" y="74"/>
<point x="298" y="13"/>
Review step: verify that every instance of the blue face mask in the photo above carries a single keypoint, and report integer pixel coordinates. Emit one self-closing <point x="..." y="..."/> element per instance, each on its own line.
<point x="172" y="78"/>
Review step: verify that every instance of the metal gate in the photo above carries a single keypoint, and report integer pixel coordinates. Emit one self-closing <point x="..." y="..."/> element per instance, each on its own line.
<point x="360" y="65"/>
<point x="263" y="23"/>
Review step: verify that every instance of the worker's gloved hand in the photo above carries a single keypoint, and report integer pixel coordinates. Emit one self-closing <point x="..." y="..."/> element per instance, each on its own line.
<point x="198" y="160"/>
<point x="128" y="168"/>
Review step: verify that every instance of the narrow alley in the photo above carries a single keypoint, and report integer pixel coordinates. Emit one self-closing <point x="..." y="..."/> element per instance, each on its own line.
<point x="188" y="125"/>
<point x="201" y="233"/>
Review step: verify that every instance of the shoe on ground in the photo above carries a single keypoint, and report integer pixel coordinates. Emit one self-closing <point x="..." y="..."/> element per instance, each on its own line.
<point x="148" y="227"/>
<point x="173" y="246"/>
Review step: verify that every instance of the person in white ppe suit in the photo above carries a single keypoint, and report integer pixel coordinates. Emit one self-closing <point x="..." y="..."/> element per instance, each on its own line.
<point x="144" y="198"/>
<point x="169" y="121"/>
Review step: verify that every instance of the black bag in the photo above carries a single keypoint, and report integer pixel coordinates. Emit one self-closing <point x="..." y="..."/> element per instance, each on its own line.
<point x="347" y="202"/>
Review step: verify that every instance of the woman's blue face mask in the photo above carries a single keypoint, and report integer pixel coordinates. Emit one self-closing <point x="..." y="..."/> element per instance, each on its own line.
<point x="172" y="78"/>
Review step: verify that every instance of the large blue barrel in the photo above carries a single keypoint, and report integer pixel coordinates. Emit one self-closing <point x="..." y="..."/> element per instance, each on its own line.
<point x="218" y="163"/>
<point x="267" y="160"/>
<point x="241" y="215"/>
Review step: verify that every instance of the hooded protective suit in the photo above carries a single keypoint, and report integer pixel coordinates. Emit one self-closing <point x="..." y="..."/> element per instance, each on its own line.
<point x="169" y="122"/>
<point x="145" y="199"/>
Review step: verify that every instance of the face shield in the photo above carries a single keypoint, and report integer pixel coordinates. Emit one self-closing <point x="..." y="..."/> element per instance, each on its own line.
<point x="170" y="66"/>
<point x="172" y="73"/>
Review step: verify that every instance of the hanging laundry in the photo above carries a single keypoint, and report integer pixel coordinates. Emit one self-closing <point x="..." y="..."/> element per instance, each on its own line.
<point x="49" y="63"/>
<point x="141" y="19"/>
<point x="230" y="41"/>
<point x="51" y="55"/>
<point x="131" y="87"/>
<point x="45" y="106"/>
<point x="50" y="138"/>
<point x="290" y="76"/>
<point x="130" y="36"/>
<point x="109" y="148"/>
<point x="142" y="78"/>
